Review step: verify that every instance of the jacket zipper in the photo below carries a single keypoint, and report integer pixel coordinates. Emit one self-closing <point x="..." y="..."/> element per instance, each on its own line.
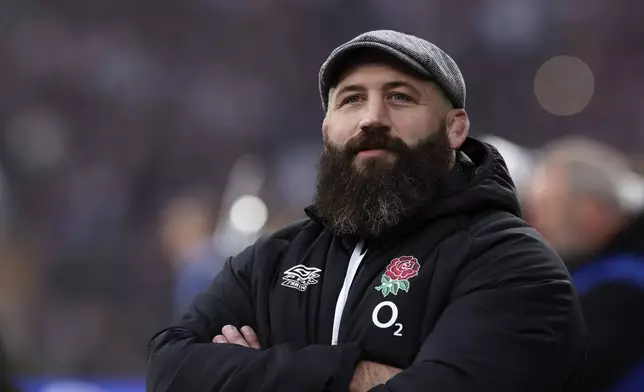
<point x="354" y="263"/>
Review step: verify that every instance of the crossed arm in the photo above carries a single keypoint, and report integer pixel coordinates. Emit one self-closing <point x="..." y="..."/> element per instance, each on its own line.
<point x="366" y="376"/>
<point x="183" y="357"/>
<point x="511" y="313"/>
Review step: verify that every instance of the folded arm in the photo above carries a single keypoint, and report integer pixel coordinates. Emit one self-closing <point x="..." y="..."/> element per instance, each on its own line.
<point x="513" y="324"/>
<point x="184" y="358"/>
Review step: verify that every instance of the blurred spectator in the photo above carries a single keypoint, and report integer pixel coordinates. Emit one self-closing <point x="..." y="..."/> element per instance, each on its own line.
<point x="187" y="231"/>
<point x="20" y="289"/>
<point x="6" y="384"/>
<point x="576" y="200"/>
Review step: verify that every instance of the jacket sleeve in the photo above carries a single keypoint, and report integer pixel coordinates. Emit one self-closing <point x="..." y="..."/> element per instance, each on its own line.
<point x="183" y="358"/>
<point x="513" y="323"/>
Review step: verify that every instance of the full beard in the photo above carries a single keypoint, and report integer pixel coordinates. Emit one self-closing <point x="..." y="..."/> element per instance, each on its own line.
<point x="371" y="200"/>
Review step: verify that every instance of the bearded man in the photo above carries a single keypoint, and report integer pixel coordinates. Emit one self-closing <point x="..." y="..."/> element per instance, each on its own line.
<point x="414" y="270"/>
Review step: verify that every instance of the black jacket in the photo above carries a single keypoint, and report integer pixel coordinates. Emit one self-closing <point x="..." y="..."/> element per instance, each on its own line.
<point x="612" y="296"/>
<point x="486" y="306"/>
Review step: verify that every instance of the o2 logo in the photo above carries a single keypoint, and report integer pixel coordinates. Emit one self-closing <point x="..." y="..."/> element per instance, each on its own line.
<point x="375" y="317"/>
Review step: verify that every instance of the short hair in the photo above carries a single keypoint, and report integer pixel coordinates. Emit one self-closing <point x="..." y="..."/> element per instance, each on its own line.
<point x="593" y="168"/>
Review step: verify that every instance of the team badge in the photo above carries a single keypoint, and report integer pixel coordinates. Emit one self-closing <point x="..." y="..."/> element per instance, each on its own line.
<point x="397" y="276"/>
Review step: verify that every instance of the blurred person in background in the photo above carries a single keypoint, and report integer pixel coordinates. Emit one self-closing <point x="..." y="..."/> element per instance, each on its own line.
<point x="6" y="384"/>
<point x="187" y="227"/>
<point x="413" y="270"/>
<point x="576" y="200"/>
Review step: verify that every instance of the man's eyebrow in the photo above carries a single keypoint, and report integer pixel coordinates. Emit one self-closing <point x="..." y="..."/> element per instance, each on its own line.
<point x="399" y="83"/>
<point x="350" y="88"/>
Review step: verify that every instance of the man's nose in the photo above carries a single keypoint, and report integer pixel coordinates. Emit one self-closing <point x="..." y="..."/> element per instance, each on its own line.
<point x="375" y="117"/>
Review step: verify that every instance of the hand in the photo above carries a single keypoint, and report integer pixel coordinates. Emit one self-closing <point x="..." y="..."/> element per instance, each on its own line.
<point x="369" y="374"/>
<point x="230" y="334"/>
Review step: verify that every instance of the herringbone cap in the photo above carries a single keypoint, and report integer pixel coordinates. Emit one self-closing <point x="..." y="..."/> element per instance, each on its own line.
<point x="418" y="54"/>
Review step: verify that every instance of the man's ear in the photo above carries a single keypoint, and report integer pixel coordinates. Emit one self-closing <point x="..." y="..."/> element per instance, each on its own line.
<point x="457" y="123"/>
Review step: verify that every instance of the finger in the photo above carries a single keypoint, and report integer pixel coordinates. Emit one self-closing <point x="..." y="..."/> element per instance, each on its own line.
<point x="219" y="339"/>
<point x="250" y="336"/>
<point x="233" y="336"/>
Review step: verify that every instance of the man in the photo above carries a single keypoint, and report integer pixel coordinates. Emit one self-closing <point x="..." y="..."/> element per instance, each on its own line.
<point x="414" y="271"/>
<point x="576" y="200"/>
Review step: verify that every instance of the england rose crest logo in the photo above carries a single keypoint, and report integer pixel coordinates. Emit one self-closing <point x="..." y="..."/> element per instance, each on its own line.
<point x="397" y="276"/>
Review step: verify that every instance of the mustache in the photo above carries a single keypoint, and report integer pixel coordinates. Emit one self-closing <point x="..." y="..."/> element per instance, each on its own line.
<point x="375" y="141"/>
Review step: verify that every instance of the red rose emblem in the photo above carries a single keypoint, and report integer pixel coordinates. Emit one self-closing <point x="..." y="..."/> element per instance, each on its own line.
<point x="403" y="268"/>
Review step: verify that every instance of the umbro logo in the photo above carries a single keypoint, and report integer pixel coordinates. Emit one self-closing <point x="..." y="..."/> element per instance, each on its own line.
<point x="300" y="277"/>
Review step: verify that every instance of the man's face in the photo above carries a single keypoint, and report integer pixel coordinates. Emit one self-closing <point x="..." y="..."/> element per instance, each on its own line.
<point x="551" y="208"/>
<point x="378" y="98"/>
<point x="386" y="150"/>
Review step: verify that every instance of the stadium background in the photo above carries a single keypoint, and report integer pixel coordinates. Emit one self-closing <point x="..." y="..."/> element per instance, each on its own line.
<point x="132" y="131"/>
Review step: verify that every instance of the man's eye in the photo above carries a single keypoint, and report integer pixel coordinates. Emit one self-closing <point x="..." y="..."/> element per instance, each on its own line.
<point x="400" y="97"/>
<point x="352" y="99"/>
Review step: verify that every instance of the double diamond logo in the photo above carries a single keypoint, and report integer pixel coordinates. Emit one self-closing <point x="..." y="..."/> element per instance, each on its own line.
<point x="300" y="277"/>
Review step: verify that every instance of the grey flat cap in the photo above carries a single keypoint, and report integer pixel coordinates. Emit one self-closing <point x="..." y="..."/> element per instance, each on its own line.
<point x="420" y="55"/>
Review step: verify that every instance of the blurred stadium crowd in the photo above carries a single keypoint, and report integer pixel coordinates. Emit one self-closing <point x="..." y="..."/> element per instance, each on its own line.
<point x="143" y="142"/>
